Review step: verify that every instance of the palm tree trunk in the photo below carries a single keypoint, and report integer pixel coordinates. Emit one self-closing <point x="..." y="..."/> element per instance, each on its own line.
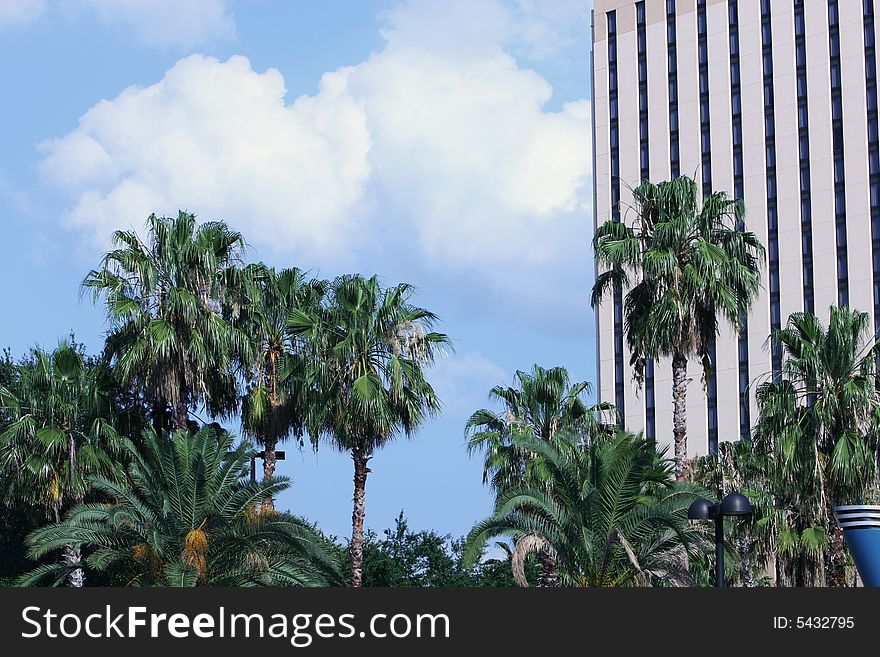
<point x="71" y="556"/>
<point x="181" y="417"/>
<point x="360" y="458"/>
<point x="679" y="413"/>
<point x="269" y="462"/>
<point x="836" y="557"/>
<point x="548" y="578"/>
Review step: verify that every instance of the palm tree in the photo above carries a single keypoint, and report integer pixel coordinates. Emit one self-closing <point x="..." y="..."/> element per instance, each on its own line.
<point x="684" y="264"/>
<point x="544" y="403"/>
<point x="61" y="432"/>
<point x="278" y="398"/>
<point x="370" y="349"/>
<point x="819" y="424"/>
<point x="186" y="517"/>
<point x="173" y="304"/>
<point x="611" y="515"/>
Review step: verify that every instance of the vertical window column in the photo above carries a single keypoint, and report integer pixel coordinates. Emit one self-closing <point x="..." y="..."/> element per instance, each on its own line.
<point x="706" y="170"/>
<point x="873" y="150"/>
<point x="745" y="422"/>
<point x="806" y="210"/>
<point x="614" y="132"/>
<point x="672" y="78"/>
<point x="770" y="176"/>
<point x="837" y="150"/>
<point x="645" y="174"/>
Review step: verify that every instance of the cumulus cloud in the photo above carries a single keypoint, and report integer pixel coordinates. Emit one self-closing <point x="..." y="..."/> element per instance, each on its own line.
<point x="441" y="143"/>
<point x="218" y="138"/>
<point x="19" y="12"/>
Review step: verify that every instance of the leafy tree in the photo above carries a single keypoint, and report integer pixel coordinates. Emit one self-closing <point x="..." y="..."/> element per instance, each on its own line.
<point x="370" y="349"/>
<point x="685" y="265"/>
<point x="406" y="558"/>
<point x="279" y="397"/>
<point x="173" y="304"/>
<point x="61" y="432"/>
<point x="818" y="427"/>
<point x="612" y="515"/>
<point x="187" y="517"/>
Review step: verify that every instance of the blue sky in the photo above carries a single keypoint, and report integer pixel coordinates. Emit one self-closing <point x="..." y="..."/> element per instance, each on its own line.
<point x="445" y="144"/>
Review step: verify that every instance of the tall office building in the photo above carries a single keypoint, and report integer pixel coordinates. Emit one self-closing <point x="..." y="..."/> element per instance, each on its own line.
<point x="775" y="102"/>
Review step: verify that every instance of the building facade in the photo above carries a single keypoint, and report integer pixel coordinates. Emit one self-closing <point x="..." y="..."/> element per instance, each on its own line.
<point x="774" y="102"/>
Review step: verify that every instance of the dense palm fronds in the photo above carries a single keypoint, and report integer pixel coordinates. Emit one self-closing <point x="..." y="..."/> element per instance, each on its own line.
<point x="370" y="347"/>
<point x="60" y="432"/>
<point x="752" y="543"/>
<point x="610" y="513"/>
<point x="173" y="303"/>
<point x="279" y="396"/>
<point x="683" y="265"/>
<point x="544" y="403"/>
<point x="818" y="423"/>
<point x="186" y="517"/>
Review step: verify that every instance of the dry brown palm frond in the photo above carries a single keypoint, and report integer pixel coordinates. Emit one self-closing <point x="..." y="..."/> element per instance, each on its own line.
<point x="526" y="545"/>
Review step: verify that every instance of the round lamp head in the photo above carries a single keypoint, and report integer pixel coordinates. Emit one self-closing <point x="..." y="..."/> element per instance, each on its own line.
<point x="699" y="509"/>
<point x="735" y="504"/>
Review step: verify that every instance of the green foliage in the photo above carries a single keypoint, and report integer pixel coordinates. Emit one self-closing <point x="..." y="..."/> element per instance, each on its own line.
<point x="817" y="426"/>
<point x="188" y="516"/>
<point x="173" y="304"/>
<point x="60" y="429"/>
<point x="405" y="558"/>
<point x="279" y="398"/>
<point x="369" y="347"/>
<point x="544" y="404"/>
<point x="681" y="266"/>
<point x="609" y="514"/>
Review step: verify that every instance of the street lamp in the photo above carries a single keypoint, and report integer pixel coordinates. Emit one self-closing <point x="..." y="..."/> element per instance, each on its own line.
<point x="733" y="504"/>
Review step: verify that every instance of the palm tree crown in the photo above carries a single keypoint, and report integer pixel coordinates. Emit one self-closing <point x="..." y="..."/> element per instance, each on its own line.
<point x="186" y="517"/>
<point x="609" y="514"/>
<point x="544" y="403"/>
<point x="173" y="302"/>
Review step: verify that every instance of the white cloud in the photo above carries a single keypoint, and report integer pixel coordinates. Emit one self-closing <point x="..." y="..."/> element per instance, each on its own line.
<point x="440" y="143"/>
<point x="218" y="139"/>
<point x="19" y="12"/>
<point x="184" y="23"/>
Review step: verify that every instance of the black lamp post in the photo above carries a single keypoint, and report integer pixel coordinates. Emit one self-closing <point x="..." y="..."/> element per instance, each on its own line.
<point x="733" y="504"/>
